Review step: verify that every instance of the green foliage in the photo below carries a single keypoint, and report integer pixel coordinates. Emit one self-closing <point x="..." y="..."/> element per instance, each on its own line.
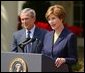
<point x="79" y="66"/>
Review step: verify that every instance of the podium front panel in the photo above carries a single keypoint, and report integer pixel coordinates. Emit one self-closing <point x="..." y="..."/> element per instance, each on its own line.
<point x="28" y="62"/>
<point x="33" y="61"/>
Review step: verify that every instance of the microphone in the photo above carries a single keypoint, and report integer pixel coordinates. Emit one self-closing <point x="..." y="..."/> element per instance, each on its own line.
<point x="27" y="41"/>
<point x="31" y="40"/>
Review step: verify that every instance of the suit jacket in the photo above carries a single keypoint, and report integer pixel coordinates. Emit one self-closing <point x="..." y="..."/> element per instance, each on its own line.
<point x="65" y="46"/>
<point x="20" y="36"/>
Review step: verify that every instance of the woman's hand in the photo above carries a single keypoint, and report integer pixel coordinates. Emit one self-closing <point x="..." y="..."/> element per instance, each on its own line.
<point x="59" y="62"/>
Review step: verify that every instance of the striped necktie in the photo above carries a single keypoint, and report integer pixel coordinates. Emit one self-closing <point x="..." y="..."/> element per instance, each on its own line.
<point x="29" y="45"/>
<point x="29" y="32"/>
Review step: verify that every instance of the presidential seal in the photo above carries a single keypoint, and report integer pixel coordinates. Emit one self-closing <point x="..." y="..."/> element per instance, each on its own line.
<point x="18" y="65"/>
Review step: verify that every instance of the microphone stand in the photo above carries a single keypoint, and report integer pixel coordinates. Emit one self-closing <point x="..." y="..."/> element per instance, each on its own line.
<point x="22" y="47"/>
<point x="23" y="44"/>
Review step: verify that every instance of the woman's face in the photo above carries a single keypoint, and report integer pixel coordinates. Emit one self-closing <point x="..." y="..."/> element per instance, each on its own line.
<point x="54" y="22"/>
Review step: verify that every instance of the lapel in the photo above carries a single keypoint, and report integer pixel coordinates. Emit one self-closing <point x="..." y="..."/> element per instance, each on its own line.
<point x="36" y="35"/>
<point x="22" y="36"/>
<point x="61" y="37"/>
<point x="36" y="32"/>
<point x="51" y="38"/>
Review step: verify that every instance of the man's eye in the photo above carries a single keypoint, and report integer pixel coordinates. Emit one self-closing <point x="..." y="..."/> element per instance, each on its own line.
<point x="26" y="18"/>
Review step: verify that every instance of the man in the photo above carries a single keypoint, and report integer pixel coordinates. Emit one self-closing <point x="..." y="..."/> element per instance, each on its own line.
<point x="20" y="38"/>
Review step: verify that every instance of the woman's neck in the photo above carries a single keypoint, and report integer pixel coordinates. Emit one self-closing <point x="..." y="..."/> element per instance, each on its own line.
<point x="59" y="30"/>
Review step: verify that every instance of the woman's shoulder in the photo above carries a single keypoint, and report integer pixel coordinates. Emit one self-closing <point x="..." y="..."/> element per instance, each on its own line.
<point x="69" y="33"/>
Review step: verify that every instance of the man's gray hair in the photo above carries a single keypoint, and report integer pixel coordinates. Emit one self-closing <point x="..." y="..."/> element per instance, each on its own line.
<point x="29" y="10"/>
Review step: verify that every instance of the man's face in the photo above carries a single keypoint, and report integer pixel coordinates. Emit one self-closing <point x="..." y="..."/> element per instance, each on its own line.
<point x="27" y="20"/>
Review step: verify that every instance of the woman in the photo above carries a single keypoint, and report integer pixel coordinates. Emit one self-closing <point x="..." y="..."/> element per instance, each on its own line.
<point x="59" y="44"/>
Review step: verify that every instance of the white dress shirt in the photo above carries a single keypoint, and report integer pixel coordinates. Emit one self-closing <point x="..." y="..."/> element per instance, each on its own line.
<point x="32" y="32"/>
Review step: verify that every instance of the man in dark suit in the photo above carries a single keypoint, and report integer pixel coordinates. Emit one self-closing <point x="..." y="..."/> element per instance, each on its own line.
<point x="28" y="17"/>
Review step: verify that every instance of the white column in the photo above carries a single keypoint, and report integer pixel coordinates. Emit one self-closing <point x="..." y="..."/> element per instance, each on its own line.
<point x="8" y="23"/>
<point x="20" y="4"/>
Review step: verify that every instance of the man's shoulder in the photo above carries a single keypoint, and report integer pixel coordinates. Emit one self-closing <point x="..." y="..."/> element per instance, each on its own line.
<point x="41" y="30"/>
<point x="18" y="32"/>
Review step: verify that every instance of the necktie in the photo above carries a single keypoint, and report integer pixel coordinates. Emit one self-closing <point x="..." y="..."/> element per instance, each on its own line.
<point x="29" y="45"/>
<point x="28" y="34"/>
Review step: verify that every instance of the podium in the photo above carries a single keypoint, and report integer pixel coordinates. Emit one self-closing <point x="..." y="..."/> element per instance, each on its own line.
<point x="29" y="62"/>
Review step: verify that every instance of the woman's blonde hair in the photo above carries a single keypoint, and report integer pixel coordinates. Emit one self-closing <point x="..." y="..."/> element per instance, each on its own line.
<point x="56" y="10"/>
